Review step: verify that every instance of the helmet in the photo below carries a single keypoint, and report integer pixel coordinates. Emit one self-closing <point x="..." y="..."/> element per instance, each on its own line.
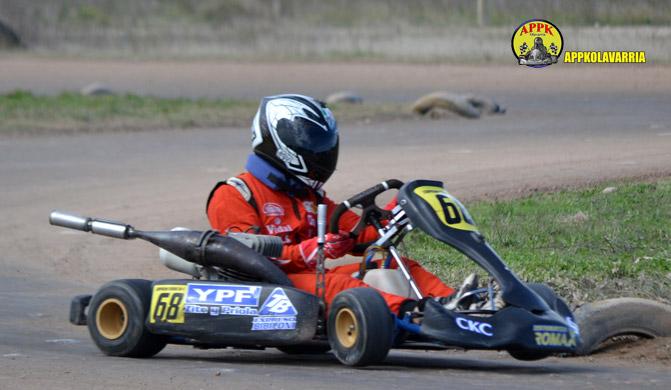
<point x="298" y="135"/>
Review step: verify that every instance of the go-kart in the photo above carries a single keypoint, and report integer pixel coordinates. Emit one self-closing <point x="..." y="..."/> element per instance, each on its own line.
<point x="239" y="298"/>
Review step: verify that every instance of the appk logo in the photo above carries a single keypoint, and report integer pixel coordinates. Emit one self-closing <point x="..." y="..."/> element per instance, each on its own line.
<point x="277" y="304"/>
<point x="537" y="43"/>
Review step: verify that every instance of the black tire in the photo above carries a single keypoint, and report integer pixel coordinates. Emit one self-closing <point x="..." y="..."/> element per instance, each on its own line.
<point x="305" y="349"/>
<point x="116" y="318"/>
<point x="360" y="327"/>
<point x="602" y="320"/>
<point x="556" y="304"/>
<point x="9" y="39"/>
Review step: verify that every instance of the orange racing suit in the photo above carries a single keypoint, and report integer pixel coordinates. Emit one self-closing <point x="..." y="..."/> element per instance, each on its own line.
<point x="246" y="204"/>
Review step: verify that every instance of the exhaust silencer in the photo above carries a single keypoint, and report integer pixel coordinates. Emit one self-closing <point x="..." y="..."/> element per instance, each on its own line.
<point x="95" y="226"/>
<point x="71" y="221"/>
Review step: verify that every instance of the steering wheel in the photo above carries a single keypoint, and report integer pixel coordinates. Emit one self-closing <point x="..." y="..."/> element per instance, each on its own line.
<point x="364" y="200"/>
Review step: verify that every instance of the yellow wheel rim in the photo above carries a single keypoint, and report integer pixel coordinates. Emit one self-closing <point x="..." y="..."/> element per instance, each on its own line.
<point x="112" y="318"/>
<point x="347" y="328"/>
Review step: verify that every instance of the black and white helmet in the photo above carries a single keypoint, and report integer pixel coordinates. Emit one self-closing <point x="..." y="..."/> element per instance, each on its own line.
<point x="299" y="135"/>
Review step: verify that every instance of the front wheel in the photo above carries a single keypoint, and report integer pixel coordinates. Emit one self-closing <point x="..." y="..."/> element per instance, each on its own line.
<point x="116" y="319"/>
<point x="360" y="327"/>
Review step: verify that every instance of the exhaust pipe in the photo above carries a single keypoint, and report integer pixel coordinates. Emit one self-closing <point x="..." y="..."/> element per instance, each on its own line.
<point x="269" y="246"/>
<point x="207" y="248"/>
<point x="176" y="263"/>
<point x="95" y="226"/>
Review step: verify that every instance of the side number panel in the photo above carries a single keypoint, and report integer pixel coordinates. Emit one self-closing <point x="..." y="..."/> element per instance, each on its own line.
<point x="167" y="304"/>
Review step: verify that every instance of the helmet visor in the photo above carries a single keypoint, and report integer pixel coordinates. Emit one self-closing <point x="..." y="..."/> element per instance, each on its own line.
<point x="316" y="144"/>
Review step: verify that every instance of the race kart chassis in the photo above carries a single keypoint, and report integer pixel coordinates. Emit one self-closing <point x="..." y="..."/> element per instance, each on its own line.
<point x="246" y="301"/>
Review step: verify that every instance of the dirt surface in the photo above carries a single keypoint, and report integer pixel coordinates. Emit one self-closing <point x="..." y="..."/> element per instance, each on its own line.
<point x="569" y="136"/>
<point x="641" y="351"/>
<point x="377" y="81"/>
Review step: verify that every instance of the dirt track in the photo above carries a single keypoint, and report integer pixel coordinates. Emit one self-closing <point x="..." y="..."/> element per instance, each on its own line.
<point x="378" y="81"/>
<point x="160" y="179"/>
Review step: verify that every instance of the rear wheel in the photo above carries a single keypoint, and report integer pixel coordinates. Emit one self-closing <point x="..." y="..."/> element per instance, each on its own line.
<point x="360" y="327"/>
<point x="116" y="319"/>
<point x="556" y="304"/>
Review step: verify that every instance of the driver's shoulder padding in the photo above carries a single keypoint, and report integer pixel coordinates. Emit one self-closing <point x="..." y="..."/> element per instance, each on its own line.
<point x="240" y="185"/>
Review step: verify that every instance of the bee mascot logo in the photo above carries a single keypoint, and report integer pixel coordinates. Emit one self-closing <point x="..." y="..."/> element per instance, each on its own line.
<point x="537" y="43"/>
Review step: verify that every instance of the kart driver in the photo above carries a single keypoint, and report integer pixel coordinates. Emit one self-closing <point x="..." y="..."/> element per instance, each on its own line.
<point x="295" y="151"/>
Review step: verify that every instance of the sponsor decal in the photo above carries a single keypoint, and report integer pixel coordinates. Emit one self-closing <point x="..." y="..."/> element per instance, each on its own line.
<point x="604" y="57"/>
<point x="273" y="209"/>
<point x="276" y="313"/>
<point x="482" y="328"/>
<point x="537" y="43"/>
<point x="553" y="336"/>
<point x="222" y="299"/>
<point x="274" y="323"/>
<point x="223" y="294"/>
<point x="196" y="309"/>
<point x="309" y="206"/>
<point x="167" y="303"/>
<point x="278" y="303"/>
<point x="278" y="229"/>
<point x="221" y="310"/>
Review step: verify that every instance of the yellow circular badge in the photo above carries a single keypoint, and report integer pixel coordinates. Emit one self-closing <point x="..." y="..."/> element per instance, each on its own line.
<point x="537" y="43"/>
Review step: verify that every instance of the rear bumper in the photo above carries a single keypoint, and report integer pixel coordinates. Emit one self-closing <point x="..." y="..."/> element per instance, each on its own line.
<point x="78" y="307"/>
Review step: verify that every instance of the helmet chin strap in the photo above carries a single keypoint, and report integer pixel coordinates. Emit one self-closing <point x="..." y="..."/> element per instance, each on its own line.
<point x="273" y="177"/>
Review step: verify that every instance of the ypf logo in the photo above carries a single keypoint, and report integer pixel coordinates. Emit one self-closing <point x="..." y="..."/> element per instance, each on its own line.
<point x="223" y="294"/>
<point x="537" y="43"/>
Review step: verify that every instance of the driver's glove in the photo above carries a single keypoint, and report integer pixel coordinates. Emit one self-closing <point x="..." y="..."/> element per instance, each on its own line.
<point x="335" y="246"/>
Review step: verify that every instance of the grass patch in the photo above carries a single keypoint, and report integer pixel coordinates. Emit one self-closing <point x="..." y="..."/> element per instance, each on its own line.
<point x="23" y="112"/>
<point x="586" y="244"/>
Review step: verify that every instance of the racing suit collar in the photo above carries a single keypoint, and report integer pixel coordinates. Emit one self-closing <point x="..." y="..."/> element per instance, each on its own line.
<point x="273" y="177"/>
